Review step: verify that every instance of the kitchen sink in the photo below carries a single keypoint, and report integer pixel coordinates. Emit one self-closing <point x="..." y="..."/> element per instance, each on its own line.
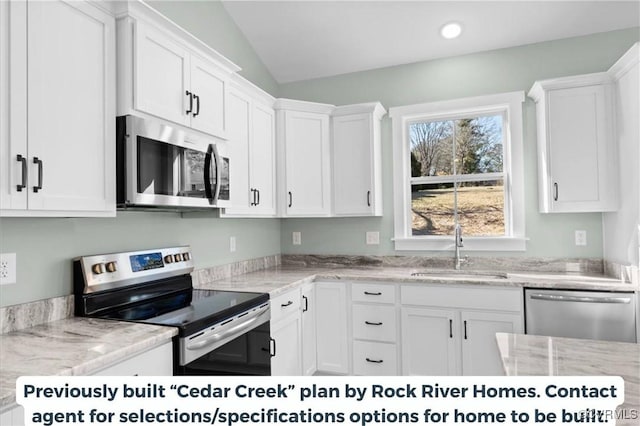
<point x="460" y="275"/>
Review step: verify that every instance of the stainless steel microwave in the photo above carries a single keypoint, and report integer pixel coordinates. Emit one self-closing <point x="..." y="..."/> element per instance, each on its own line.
<point x="162" y="166"/>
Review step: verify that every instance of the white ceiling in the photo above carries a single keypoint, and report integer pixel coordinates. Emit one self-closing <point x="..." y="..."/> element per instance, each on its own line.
<point x="300" y="40"/>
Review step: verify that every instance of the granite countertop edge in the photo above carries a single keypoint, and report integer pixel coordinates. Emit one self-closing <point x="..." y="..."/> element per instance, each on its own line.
<point x="97" y="349"/>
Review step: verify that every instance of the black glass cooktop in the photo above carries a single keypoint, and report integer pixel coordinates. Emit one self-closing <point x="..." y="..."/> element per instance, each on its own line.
<point x="207" y="308"/>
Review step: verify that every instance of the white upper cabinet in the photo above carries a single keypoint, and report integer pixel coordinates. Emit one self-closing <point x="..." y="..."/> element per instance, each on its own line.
<point x="58" y="109"/>
<point x="356" y="160"/>
<point x="262" y="161"/>
<point x="304" y="166"/>
<point x="577" y="153"/>
<point x="167" y="73"/>
<point x="251" y="133"/>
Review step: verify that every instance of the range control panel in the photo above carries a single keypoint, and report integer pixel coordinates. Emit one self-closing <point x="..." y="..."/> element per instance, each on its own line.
<point x="106" y="271"/>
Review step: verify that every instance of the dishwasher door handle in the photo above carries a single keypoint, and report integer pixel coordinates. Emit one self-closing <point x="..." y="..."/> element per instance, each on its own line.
<point x="559" y="298"/>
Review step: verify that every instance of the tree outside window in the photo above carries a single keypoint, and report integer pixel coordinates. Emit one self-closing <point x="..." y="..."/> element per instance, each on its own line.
<point x="457" y="176"/>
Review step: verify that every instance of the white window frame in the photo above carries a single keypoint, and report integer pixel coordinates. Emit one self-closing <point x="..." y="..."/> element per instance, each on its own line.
<point x="510" y="106"/>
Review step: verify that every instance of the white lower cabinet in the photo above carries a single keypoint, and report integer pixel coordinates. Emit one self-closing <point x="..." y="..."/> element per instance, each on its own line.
<point x="331" y="328"/>
<point x="154" y="362"/>
<point x="13" y="416"/>
<point x="286" y="333"/>
<point x="286" y="360"/>
<point x="480" y="356"/>
<point x="451" y="331"/>
<point x="309" y="342"/>
<point x="374" y="328"/>
<point x="374" y="358"/>
<point x="428" y="347"/>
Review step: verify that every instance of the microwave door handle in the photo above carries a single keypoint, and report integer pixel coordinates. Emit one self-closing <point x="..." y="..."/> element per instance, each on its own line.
<point x="218" y="160"/>
<point x="208" y="192"/>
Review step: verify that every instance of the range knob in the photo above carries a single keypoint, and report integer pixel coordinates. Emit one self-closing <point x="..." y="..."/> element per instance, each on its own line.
<point x="186" y="256"/>
<point x="177" y="257"/>
<point x="168" y="259"/>
<point x="98" y="268"/>
<point x="112" y="266"/>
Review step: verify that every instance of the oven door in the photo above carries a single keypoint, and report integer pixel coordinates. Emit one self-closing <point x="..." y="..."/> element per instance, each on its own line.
<point x="165" y="166"/>
<point x="236" y="346"/>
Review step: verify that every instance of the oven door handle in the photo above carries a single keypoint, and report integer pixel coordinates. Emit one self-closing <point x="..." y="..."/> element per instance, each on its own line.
<point x="216" y="337"/>
<point x="208" y="191"/>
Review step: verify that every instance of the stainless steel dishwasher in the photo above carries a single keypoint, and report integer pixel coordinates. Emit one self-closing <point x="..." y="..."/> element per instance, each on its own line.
<point x="581" y="314"/>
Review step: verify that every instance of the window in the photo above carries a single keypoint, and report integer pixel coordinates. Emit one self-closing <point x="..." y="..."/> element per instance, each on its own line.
<point x="459" y="162"/>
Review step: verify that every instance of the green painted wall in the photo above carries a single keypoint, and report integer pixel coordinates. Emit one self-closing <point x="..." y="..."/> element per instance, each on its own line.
<point x="496" y="71"/>
<point x="210" y="22"/>
<point x="45" y="247"/>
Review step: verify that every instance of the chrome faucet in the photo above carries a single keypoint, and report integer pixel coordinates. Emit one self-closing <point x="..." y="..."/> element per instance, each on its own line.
<point x="458" y="244"/>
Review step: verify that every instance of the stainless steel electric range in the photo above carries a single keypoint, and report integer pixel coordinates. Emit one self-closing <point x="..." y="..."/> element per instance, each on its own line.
<point x="219" y="332"/>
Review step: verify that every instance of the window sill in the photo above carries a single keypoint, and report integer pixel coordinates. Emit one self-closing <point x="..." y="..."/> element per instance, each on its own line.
<point x="470" y="244"/>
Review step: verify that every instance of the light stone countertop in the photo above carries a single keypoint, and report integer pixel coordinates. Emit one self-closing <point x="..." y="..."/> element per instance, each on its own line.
<point x="72" y="347"/>
<point x="280" y="279"/>
<point x="527" y="355"/>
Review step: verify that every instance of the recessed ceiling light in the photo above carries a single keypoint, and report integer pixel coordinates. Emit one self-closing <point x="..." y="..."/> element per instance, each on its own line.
<point x="451" y="30"/>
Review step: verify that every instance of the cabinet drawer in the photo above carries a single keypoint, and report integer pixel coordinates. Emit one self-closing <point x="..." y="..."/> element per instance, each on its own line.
<point x="371" y="322"/>
<point x="376" y="293"/>
<point x="285" y="304"/>
<point x="470" y="297"/>
<point x="154" y="362"/>
<point x="374" y="359"/>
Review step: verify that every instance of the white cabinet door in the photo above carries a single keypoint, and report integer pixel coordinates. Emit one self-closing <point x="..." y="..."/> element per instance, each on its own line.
<point x="333" y="347"/>
<point x="13" y="106"/>
<point x="286" y="340"/>
<point x="65" y="118"/>
<point x="579" y="126"/>
<point x="577" y="155"/>
<point x="428" y="342"/>
<point x="307" y="165"/>
<point x="352" y="156"/>
<point x="154" y="362"/>
<point x="208" y="86"/>
<point x="239" y="107"/>
<point x="262" y="160"/>
<point x="308" y="330"/>
<point x="480" y="356"/>
<point x="161" y="76"/>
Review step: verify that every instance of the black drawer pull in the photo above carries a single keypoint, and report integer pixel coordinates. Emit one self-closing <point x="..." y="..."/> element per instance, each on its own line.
<point x="451" y="328"/>
<point x="289" y="303"/>
<point x="38" y="161"/>
<point x="369" y="293"/>
<point x="465" y="330"/>
<point x="375" y="361"/>
<point x="306" y="304"/>
<point x="372" y="323"/>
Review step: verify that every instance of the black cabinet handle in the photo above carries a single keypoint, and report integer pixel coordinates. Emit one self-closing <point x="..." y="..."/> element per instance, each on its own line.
<point x="23" y="184"/>
<point x="258" y="192"/>
<point x="369" y="198"/>
<point x="369" y="293"/>
<point x="272" y="353"/>
<point x="372" y="323"/>
<point x="38" y="161"/>
<point x="306" y="304"/>
<point x="555" y="191"/>
<point x="465" y="330"/>
<point x="197" y="105"/>
<point x="451" y="329"/>
<point x="289" y="303"/>
<point x="290" y="199"/>
<point x="253" y="196"/>
<point x="190" y="95"/>
<point x="375" y="361"/>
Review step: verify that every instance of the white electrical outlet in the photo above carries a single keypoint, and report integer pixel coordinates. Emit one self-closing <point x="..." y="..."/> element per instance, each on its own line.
<point x="296" y="238"/>
<point x="232" y="244"/>
<point x="581" y="238"/>
<point x="373" y="237"/>
<point x="7" y="268"/>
